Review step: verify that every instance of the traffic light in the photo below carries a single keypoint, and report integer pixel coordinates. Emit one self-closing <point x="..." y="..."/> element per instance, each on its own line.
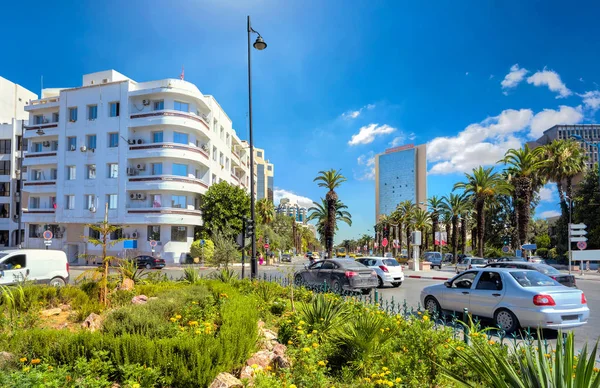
<point x="249" y="228"/>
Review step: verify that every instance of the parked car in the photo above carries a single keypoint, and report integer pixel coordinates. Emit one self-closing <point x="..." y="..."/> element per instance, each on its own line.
<point x="388" y="270"/>
<point x="512" y="297"/>
<point x="448" y="258"/>
<point x="536" y="259"/>
<point x="510" y="258"/>
<point x="564" y="279"/>
<point x="435" y="258"/>
<point x="149" y="262"/>
<point x="389" y="255"/>
<point x="461" y="256"/>
<point x="37" y="265"/>
<point x="286" y="257"/>
<point x="338" y="275"/>
<point x="470" y="263"/>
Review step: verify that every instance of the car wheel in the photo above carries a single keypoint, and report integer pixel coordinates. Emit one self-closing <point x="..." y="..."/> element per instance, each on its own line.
<point x="148" y="266"/>
<point x="336" y="287"/>
<point x="432" y="305"/>
<point x="506" y="320"/>
<point x="396" y="284"/>
<point x="298" y="280"/>
<point x="379" y="282"/>
<point x="57" y="282"/>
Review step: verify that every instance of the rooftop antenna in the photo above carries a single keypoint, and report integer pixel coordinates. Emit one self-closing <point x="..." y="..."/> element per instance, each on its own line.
<point x="42" y="87"/>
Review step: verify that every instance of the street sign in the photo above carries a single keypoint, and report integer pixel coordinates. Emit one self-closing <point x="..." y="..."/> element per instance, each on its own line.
<point x="266" y="246"/>
<point x="581" y="245"/>
<point x="505" y="249"/>
<point x="579" y="232"/>
<point x="202" y="242"/>
<point x="153" y="243"/>
<point x="578" y="239"/>
<point x="48" y="242"/>
<point x="529" y="247"/>
<point x="48" y="235"/>
<point x="577" y="226"/>
<point x="519" y="253"/>
<point x="384" y="242"/>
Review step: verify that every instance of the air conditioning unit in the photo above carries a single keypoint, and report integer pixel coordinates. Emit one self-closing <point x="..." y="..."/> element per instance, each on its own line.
<point x="83" y="148"/>
<point x="140" y="196"/>
<point x="105" y="81"/>
<point x="134" y="235"/>
<point x="16" y="217"/>
<point x="145" y="102"/>
<point x="131" y="171"/>
<point x="140" y="141"/>
<point x="46" y="144"/>
<point x="132" y="196"/>
<point x="131" y="141"/>
<point x="93" y="149"/>
<point x="92" y="209"/>
<point x="73" y="148"/>
<point x="141" y="167"/>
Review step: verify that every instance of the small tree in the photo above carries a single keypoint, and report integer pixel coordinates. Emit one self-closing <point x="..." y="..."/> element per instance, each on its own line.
<point x="225" y="250"/>
<point x="204" y="252"/>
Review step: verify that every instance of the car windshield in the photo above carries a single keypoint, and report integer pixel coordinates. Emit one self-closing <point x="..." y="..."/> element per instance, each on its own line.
<point x="391" y="262"/>
<point x="477" y="261"/>
<point x="3" y="254"/>
<point x="546" y="269"/>
<point x="533" y="279"/>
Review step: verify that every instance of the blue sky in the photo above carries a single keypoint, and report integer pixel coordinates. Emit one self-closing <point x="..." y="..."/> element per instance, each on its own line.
<point x="471" y="80"/>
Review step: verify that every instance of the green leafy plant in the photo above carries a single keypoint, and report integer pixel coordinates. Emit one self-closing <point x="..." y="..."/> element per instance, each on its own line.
<point x="203" y="249"/>
<point x="191" y="275"/>
<point x="225" y="275"/>
<point x="128" y="269"/>
<point x="325" y="313"/>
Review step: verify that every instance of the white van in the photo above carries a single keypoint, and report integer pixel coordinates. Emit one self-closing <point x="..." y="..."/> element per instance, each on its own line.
<point x="38" y="265"/>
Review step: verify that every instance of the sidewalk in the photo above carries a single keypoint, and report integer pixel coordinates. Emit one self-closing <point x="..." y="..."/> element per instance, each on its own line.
<point x="428" y="275"/>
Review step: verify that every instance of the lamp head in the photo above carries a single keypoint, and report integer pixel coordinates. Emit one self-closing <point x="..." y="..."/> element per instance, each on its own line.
<point x="40" y="132"/>
<point x="260" y="44"/>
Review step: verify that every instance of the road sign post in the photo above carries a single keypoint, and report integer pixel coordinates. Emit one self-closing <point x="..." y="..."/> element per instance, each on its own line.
<point x="505" y="249"/>
<point x="577" y="234"/>
<point x="48" y="238"/>
<point x="153" y="244"/>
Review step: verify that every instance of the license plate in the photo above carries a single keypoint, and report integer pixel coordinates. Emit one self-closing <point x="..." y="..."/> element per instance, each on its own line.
<point x="570" y="317"/>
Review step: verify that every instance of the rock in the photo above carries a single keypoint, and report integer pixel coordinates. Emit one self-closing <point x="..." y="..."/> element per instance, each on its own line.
<point x="262" y="358"/>
<point x="269" y="335"/>
<point x="247" y="373"/>
<point x="127" y="285"/>
<point x="139" y="299"/>
<point x="261" y="324"/>
<point x="51" y="312"/>
<point x="92" y="322"/>
<point x="5" y="358"/>
<point x="281" y="361"/>
<point x="279" y="349"/>
<point x="226" y="380"/>
<point x="65" y="307"/>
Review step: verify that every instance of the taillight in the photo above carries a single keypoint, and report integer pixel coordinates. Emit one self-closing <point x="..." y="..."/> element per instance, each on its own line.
<point x="384" y="268"/>
<point x="583" y="300"/>
<point x="156" y="260"/>
<point x="350" y="274"/>
<point x="543" y="300"/>
<point x="67" y="267"/>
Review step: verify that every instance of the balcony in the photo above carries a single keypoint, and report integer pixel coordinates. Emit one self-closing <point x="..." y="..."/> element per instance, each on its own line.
<point x="168" y="150"/>
<point x="165" y="215"/>
<point x="39" y="158"/>
<point x="39" y="215"/>
<point x="48" y="186"/>
<point x="43" y="103"/>
<point x="167" y="182"/>
<point x="170" y="117"/>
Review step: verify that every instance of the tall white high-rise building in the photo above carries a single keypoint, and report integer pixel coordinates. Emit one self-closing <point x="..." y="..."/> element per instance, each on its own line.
<point x="149" y="150"/>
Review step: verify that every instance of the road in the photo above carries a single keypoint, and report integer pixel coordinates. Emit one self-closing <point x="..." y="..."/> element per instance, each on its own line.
<point x="411" y="289"/>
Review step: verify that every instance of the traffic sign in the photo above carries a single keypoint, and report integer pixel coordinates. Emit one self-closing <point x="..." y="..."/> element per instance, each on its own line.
<point x="505" y="249"/>
<point x="266" y="246"/>
<point x="578" y="239"/>
<point x="529" y="247"/>
<point x="581" y="245"/>
<point x="518" y="253"/>
<point x="48" y="235"/>
<point x="579" y="232"/>
<point x="153" y="243"/>
<point x="577" y="226"/>
<point x="48" y="242"/>
<point x="384" y="242"/>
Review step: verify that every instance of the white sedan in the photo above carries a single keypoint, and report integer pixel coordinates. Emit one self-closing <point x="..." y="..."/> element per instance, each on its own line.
<point x="512" y="297"/>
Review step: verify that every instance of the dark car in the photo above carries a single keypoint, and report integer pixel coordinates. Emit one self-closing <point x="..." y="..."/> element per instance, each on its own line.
<point x="510" y="258"/>
<point x="564" y="279"/>
<point x="149" y="262"/>
<point x="286" y="257"/>
<point x="338" y="275"/>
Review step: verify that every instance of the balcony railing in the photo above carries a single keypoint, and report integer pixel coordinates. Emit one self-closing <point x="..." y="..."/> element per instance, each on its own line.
<point x="40" y="211"/>
<point x="41" y="126"/>
<point x="165" y="210"/>
<point x="168" y="178"/>
<point x="39" y="154"/>
<point x="172" y="113"/>
<point x="173" y="146"/>
<point x="39" y="183"/>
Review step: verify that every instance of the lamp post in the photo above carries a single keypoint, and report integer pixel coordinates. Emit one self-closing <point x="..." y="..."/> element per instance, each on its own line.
<point x="569" y="230"/>
<point x="259" y="44"/>
<point x="596" y="145"/>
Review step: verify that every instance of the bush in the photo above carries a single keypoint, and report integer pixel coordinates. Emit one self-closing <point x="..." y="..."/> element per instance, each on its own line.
<point x="204" y="251"/>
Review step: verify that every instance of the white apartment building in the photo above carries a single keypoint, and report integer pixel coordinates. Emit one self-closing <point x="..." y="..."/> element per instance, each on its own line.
<point x="149" y="150"/>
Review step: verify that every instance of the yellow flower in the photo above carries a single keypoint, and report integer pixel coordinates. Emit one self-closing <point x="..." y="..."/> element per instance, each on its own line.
<point x="224" y="295"/>
<point x="382" y="330"/>
<point x="181" y="328"/>
<point x="50" y="367"/>
<point x="418" y="312"/>
<point x="268" y="367"/>
<point x="308" y="335"/>
<point x="596" y="370"/>
<point x="306" y="350"/>
<point x="194" y="302"/>
<point x="322" y="319"/>
<point x="390" y="384"/>
<point x="398" y="379"/>
<point x="474" y="334"/>
<point x="177" y="316"/>
<point x="198" y="331"/>
<point x="301" y="323"/>
<point x="314" y="332"/>
<point x="379" y="381"/>
<point x="135" y="385"/>
<point x="374" y="375"/>
<point x="315" y="345"/>
<point x="290" y="342"/>
<point x="172" y="319"/>
<point x="300" y="332"/>
<point x="547" y="355"/>
<point x="23" y="359"/>
<point x="425" y="318"/>
<point x="367" y="380"/>
<point x="254" y="366"/>
<point x="292" y="386"/>
<point x="193" y="323"/>
<point x="384" y="368"/>
<point x="35" y="361"/>
<point x="491" y="342"/>
<point x="26" y="369"/>
<point x="321" y="363"/>
<point x="459" y="348"/>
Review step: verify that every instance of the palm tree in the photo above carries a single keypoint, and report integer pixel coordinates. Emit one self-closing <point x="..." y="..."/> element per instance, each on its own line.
<point x="479" y="186"/>
<point x="525" y="168"/>
<point x="446" y="221"/>
<point x="405" y="213"/>
<point x="454" y="204"/>
<point x="422" y="221"/>
<point x="320" y="212"/>
<point x="331" y="179"/>
<point x="435" y="207"/>
<point x="265" y="210"/>
<point x="383" y="226"/>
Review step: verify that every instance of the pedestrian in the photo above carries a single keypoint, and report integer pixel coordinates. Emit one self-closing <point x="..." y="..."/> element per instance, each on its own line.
<point x="260" y="259"/>
<point x="280" y="255"/>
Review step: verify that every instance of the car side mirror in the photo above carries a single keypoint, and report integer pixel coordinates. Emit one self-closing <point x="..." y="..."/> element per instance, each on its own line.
<point x="305" y="266"/>
<point x="447" y="284"/>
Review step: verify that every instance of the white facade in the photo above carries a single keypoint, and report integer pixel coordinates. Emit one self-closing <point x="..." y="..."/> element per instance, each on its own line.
<point x="150" y="150"/>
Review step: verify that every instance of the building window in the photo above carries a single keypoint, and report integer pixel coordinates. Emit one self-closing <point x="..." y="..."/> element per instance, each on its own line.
<point x="157" y="137"/>
<point x="117" y="234"/>
<point x="71" y="143"/>
<point x="112" y="201"/>
<point x="154" y="232"/>
<point x="222" y="133"/>
<point x="180" y="169"/>
<point x="269" y="168"/>
<point x="90" y="171"/>
<point x="5" y="167"/>
<point x="113" y="139"/>
<point x="54" y="145"/>
<point x="214" y="179"/>
<point x="214" y="153"/>
<point x="55" y="117"/>
<point x="113" y="170"/>
<point x="221" y="157"/>
<point x="92" y="112"/>
<point x="156" y="200"/>
<point x="5" y="146"/>
<point x="33" y="231"/>
<point x="38" y="119"/>
<point x="114" y="109"/>
<point x="4" y="189"/>
<point x="93" y="234"/>
<point x="20" y="143"/>
<point x="179" y="201"/>
<point x="34" y="202"/>
<point x="159" y="105"/>
<point x="71" y="173"/>
<point x="73" y="114"/>
<point x="53" y="174"/>
<point x="156" y="168"/>
<point x="227" y="163"/>
<point x="90" y="200"/>
<point x="70" y="202"/>
<point x="178" y="233"/>
<point x="37" y="147"/>
<point x="91" y="142"/>
<point x="181" y="138"/>
<point x="259" y="154"/>
<point x="182" y="106"/>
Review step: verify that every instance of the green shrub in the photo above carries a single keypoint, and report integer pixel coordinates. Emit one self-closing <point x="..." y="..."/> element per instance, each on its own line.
<point x="325" y="313"/>
<point x="120" y="297"/>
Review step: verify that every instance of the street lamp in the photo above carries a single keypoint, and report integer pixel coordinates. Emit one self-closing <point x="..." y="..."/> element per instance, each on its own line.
<point x="259" y="44"/>
<point x="569" y="230"/>
<point x="596" y="145"/>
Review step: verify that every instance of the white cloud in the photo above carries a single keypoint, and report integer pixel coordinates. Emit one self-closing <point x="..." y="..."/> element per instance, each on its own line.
<point x="367" y="163"/>
<point x="412" y="136"/>
<point x="549" y="214"/>
<point x="551" y="79"/>
<point x="581" y="79"/>
<point x="397" y="141"/>
<point x="547" y="193"/>
<point x="550" y="117"/>
<point x="352" y="114"/>
<point x="591" y="99"/>
<point x="513" y="78"/>
<point x="368" y="133"/>
<point x="278" y="194"/>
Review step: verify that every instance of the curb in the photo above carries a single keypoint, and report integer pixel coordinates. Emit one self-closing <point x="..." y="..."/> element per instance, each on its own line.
<point x="427" y="277"/>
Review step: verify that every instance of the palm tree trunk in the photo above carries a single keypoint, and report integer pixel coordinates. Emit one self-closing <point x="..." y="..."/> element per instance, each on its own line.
<point x="474" y="239"/>
<point x="407" y="229"/>
<point x="463" y="231"/>
<point x="523" y="199"/>
<point x="434" y="226"/>
<point x="424" y="233"/>
<point x="454" y="238"/>
<point x="479" y="208"/>
<point x="331" y="199"/>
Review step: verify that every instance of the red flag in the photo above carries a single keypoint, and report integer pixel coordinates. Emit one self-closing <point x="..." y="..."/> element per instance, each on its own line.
<point x="182" y="73"/>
